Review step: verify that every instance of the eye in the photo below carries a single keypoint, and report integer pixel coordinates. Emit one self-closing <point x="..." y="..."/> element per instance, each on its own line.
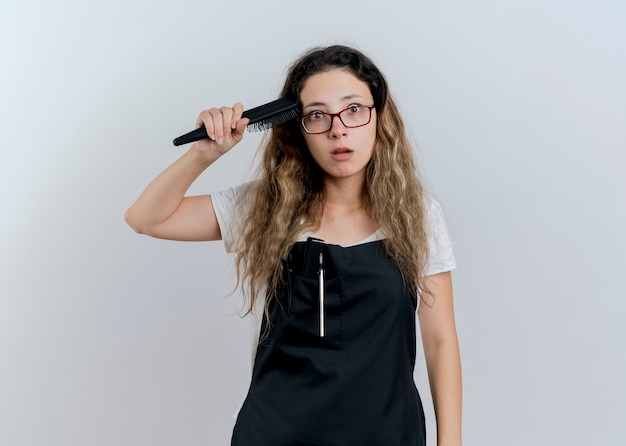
<point x="316" y="115"/>
<point x="355" y="108"/>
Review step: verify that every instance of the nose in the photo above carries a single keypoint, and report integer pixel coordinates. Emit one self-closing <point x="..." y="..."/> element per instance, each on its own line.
<point x="337" y="129"/>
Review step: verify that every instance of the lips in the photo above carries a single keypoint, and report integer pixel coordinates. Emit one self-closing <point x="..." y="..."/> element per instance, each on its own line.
<point x="341" y="154"/>
<point x="341" y="150"/>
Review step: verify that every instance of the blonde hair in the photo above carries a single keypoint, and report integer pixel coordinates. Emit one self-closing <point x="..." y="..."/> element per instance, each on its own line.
<point x="287" y="198"/>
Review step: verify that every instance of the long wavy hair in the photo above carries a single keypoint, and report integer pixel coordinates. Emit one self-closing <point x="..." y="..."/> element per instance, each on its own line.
<point x="288" y="196"/>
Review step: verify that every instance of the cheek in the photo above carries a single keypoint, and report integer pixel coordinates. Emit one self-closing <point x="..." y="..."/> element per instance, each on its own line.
<point x="372" y="137"/>
<point x="372" y="129"/>
<point x="311" y="147"/>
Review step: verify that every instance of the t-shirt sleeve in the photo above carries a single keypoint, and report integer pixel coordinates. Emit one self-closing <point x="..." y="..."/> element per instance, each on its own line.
<point x="227" y="205"/>
<point x="441" y="257"/>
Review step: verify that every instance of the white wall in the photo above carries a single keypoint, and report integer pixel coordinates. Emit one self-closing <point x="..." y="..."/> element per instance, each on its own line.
<point x="519" y="112"/>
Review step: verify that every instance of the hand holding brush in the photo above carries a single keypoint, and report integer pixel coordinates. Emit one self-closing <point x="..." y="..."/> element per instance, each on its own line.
<point x="260" y="118"/>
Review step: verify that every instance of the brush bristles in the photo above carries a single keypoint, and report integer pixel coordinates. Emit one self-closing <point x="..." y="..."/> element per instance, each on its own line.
<point x="272" y="121"/>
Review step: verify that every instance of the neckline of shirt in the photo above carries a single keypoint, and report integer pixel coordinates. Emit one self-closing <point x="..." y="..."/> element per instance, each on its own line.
<point x="373" y="237"/>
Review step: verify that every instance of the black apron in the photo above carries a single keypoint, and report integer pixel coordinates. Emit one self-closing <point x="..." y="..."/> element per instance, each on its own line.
<point x="337" y="366"/>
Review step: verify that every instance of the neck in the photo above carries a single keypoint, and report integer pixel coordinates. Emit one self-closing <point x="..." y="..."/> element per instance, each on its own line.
<point x="344" y="192"/>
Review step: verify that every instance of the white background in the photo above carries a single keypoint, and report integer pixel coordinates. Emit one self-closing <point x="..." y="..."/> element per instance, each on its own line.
<point x="518" y="112"/>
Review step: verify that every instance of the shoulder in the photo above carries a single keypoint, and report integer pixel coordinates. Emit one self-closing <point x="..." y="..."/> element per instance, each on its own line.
<point x="231" y="195"/>
<point x="441" y="258"/>
<point x="228" y="205"/>
<point x="431" y="204"/>
<point x="435" y="216"/>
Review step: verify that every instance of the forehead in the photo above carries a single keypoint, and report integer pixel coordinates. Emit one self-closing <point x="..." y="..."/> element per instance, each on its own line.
<point x="333" y="87"/>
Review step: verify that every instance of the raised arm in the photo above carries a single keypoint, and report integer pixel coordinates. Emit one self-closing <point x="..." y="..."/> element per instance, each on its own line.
<point x="162" y="210"/>
<point x="441" y="349"/>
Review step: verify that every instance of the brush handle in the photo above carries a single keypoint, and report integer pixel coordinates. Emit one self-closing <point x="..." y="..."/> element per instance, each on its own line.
<point x="256" y="115"/>
<point x="194" y="135"/>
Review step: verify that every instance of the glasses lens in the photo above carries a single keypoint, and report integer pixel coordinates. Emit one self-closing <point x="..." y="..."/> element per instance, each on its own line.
<point x="355" y="116"/>
<point x="317" y="122"/>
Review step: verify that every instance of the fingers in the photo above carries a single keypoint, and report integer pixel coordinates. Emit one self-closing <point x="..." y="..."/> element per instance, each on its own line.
<point x="220" y="123"/>
<point x="238" y="124"/>
<point x="237" y="112"/>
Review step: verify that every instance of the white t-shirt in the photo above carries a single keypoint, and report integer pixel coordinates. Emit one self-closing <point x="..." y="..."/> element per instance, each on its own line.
<point x="227" y="203"/>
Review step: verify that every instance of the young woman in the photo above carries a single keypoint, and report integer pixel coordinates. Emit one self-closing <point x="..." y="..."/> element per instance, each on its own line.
<point x="337" y="248"/>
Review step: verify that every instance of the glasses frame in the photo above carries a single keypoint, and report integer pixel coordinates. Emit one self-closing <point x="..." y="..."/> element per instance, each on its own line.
<point x="338" y="115"/>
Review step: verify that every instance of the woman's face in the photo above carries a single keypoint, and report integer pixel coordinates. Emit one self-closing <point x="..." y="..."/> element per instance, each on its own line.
<point x="342" y="151"/>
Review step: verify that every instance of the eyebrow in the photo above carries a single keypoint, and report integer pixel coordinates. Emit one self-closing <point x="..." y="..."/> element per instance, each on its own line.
<point x="345" y="98"/>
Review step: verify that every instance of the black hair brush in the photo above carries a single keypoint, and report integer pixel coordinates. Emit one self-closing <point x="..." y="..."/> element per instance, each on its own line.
<point x="261" y="118"/>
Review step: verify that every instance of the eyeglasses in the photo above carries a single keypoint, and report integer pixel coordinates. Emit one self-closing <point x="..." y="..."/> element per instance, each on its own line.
<point x="353" y="116"/>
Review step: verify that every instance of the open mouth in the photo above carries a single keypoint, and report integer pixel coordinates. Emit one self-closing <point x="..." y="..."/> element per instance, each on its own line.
<point x="341" y="150"/>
